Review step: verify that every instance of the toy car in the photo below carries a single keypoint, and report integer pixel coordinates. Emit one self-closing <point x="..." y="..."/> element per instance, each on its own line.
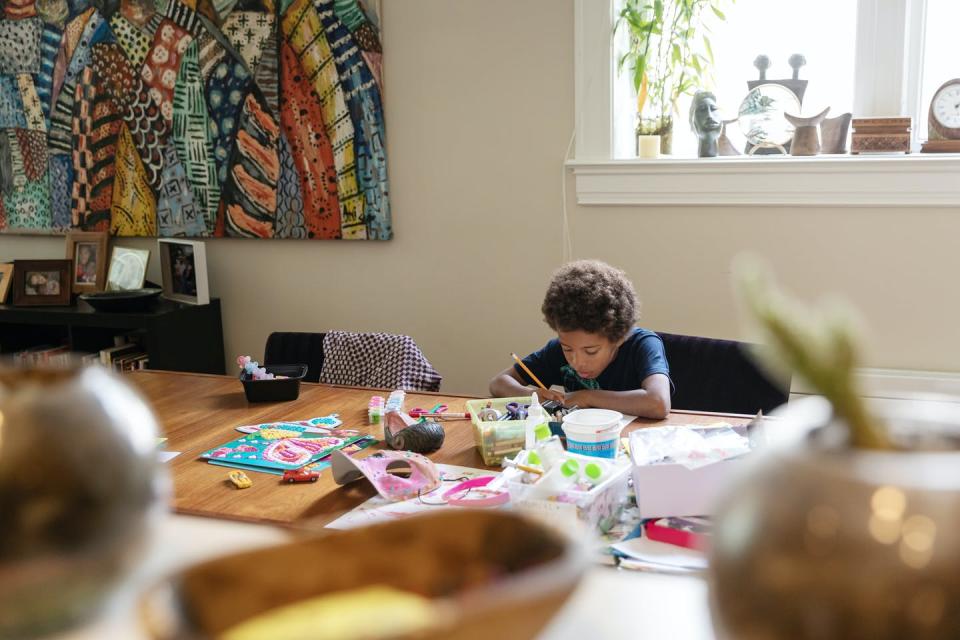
<point x="240" y="479"/>
<point x="300" y="475"/>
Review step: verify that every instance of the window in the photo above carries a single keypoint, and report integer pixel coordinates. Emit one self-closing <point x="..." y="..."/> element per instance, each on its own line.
<point x="939" y="53"/>
<point x="751" y="28"/>
<point x="868" y="57"/>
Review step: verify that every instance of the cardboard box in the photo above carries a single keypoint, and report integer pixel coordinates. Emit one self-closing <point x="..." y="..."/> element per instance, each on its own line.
<point x="666" y="490"/>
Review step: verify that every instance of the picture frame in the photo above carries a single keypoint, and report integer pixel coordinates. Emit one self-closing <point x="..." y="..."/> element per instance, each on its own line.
<point x="87" y="252"/>
<point x="6" y="277"/>
<point x="41" y="282"/>
<point x="183" y="265"/>
<point x="128" y="268"/>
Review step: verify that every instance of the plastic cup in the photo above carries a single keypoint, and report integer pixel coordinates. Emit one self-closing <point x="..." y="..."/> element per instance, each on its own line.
<point x="593" y="432"/>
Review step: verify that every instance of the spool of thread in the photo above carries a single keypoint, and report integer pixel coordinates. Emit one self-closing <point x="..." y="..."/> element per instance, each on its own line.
<point x="488" y="414"/>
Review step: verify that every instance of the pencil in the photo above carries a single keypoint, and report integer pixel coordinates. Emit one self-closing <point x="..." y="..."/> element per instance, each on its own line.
<point x="529" y="373"/>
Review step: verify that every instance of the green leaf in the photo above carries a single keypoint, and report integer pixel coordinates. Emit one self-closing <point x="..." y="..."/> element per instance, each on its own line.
<point x="709" y="48"/>
<point x="658" y="10"/>
<point x="718" y="13"/>
<point x="676" y="53"/>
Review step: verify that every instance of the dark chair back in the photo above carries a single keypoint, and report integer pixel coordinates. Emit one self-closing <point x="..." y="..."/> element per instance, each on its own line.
<point x="718" y="375"/>
<point x="296" y="348"/>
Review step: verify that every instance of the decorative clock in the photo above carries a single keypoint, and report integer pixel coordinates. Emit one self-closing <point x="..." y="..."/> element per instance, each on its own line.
<point x="943" y="120"/>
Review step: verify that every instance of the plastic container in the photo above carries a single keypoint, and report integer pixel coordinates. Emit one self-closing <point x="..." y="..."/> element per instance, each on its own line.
<point x="278" y="389"/>
<point x="593" y="432"/>
<point x="497" y="438"/>
<point x="598" y="508"/>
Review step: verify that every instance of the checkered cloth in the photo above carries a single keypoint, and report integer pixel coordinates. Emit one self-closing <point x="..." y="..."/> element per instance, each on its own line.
<point x="380" y="360"/>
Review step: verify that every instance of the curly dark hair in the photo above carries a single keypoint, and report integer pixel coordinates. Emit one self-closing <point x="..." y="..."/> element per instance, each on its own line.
<point x="591" y="296"/>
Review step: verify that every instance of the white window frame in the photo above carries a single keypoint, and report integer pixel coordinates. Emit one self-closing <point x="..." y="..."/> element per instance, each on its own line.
<point x="889" y="37"/>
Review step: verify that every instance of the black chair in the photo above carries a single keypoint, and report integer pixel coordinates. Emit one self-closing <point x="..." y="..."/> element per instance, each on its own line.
<point x="718" y="375"/>
<point x="296" y="348"/>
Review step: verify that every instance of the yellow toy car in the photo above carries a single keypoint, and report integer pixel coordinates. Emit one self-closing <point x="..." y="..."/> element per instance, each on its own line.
<point x="240" y="479"/>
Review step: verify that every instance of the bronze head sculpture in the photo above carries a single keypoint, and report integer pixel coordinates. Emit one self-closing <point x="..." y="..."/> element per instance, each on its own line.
<point x="705" y="122"/>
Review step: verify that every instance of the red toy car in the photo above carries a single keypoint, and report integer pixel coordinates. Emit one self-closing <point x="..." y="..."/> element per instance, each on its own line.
<point x="300" y="475"/>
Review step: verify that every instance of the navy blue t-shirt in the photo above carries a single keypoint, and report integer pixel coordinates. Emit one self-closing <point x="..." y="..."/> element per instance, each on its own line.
<point x="640" y="356"/>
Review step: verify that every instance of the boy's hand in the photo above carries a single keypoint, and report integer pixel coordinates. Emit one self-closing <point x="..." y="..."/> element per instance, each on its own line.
<point x="579" y="399"/>
<point x="550" y="394"/>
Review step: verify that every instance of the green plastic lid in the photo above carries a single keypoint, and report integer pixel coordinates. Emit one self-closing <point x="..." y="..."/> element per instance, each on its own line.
<point x="541" y="431"/>
<point x="593" y="471"/>
<point x="570" y="467"/>
<point x="534" y="458"/>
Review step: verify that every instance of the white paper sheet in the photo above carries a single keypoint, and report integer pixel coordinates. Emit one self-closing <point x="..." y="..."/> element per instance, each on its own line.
<point x="379" y="509"/>
<point x="661" y="553"/>
<point x="167" y="456"/>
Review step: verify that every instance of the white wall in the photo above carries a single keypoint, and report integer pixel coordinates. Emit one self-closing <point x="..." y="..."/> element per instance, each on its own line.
<point x="479" y="99"/>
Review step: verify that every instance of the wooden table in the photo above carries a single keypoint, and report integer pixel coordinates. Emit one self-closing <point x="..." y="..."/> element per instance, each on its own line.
<point x="198" y="412"/>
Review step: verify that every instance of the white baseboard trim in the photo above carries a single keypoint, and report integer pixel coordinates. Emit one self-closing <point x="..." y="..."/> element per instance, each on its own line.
<point x="898" y="384"/>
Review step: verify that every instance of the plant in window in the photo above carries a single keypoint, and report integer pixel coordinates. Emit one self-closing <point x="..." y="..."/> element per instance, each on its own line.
<point x="668" y="55"/>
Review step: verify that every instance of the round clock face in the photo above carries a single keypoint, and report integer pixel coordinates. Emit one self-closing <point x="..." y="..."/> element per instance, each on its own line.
<point x="945" y="110"/>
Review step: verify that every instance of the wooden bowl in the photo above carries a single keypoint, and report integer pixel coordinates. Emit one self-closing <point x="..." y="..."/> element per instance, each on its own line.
<point x="492" y="574"/>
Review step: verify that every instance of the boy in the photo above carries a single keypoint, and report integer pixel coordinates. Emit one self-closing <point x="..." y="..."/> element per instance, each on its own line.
<point x="599" y="357"/>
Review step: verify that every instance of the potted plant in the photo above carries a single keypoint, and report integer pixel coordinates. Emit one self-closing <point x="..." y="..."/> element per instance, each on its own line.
<point x="668" y="55"/>
<point x="842" y="526"/>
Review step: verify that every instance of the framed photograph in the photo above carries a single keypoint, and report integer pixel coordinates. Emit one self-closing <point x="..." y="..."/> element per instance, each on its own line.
<point x="128" y="268"/>
<point x="183" y="264"/>
<point x="87" y="250"/>
<point x="38" y="282"/>
<point x="6" y="277"/>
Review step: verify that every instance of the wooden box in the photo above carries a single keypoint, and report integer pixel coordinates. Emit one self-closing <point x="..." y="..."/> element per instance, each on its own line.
<point x="881" y="135"/>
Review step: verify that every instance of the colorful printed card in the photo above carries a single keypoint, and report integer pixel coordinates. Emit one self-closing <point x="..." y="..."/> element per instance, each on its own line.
<point x="276" y="447"/>
<point x="313" y="425"/>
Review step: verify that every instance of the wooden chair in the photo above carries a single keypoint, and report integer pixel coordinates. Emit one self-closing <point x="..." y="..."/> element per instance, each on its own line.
<point x="719" y="375"/>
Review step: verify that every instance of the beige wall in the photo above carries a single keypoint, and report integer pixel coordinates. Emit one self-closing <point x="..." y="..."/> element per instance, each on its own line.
<point x="480" y="108"/>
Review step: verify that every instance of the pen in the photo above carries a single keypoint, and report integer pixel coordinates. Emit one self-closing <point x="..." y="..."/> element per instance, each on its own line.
<point x="529" y="373"/>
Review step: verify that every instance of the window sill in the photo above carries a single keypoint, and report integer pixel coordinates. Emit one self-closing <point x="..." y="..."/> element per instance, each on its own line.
<point x="869" y="180"/>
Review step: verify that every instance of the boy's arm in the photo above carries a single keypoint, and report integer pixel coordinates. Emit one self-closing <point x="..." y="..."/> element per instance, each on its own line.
<point x="508" y="383"/>
<point x="651" y="400"/>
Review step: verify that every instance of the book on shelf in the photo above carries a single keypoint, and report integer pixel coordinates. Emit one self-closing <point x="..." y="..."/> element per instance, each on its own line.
<point x="44" y="355"/>
<point x="110" y="354"/>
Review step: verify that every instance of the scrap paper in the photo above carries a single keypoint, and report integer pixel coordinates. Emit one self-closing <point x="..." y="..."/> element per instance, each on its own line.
<point x="671" y="557"/>
<point x="379" y="509"/>
<point x="275" y="449"/>
<point x="313" y="425"/>
<point x="167" y="456"/>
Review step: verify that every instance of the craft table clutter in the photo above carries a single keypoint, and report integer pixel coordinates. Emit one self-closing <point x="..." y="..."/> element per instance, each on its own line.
<point x="264" y="446"/>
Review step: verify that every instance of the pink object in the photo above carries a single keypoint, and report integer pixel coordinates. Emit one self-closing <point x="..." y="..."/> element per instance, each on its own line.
<point x="459" y="496"/>
<point x="692" y="533"/>
<point x="396" y="475"/>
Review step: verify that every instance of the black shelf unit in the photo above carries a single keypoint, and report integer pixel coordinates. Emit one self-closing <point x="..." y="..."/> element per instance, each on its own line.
<point x="176" y="337"/>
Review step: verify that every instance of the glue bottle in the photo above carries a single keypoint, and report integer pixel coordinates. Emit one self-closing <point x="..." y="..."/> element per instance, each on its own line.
<point x="548" y="448"/>
<point x="535" y="417"/>
<point x="561" y="476"/>
<point x="594" y="472"/>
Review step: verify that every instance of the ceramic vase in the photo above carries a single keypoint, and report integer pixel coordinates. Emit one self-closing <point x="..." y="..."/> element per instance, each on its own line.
<point x="818" y="540"/>
<point x="80" y="487"/>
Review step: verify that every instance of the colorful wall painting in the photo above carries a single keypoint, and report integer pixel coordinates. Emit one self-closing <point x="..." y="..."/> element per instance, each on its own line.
<point x="193" y="118"/>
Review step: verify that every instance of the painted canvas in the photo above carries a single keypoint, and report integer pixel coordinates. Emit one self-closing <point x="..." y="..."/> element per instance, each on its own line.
<point x="193" y="118"/>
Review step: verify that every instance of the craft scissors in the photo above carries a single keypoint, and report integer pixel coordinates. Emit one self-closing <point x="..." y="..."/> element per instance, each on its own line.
<point x="516" y="411"/>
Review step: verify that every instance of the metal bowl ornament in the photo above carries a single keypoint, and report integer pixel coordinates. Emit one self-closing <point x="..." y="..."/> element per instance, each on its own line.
<point x="404" y="433"/>
<point x="80" y="488"/>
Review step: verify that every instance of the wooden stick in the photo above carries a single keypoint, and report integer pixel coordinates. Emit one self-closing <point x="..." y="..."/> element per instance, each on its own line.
<point x="529" y="373"/>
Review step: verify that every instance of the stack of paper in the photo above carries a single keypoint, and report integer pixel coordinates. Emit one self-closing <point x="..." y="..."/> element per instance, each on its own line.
<point x="650" y="555"/>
